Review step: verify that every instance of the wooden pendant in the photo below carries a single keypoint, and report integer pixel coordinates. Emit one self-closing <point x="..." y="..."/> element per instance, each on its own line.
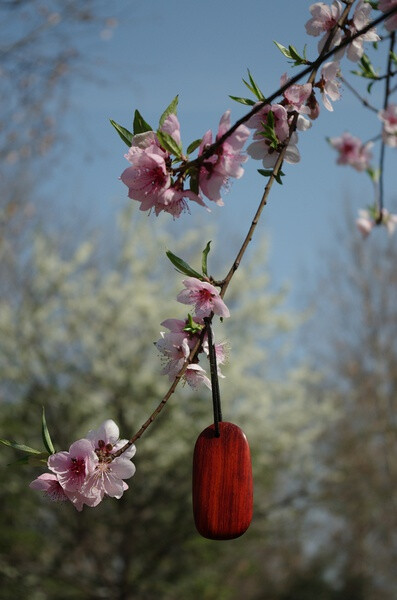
<point x="222" y="483"/>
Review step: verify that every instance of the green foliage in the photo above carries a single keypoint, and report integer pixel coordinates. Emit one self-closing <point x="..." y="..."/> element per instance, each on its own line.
<point x="182" y="266"/>
<point x="205" y="258"/>
<point x="45" y="434"/>
<point x="254" y="88"/>
<point x="193" y="146"/>
<point x="124" y="134"/>
<point x="269" y="172"/>
<point x="140" y="125"/>
<point x="292" y="53"/>
<point x="169" y="144"/>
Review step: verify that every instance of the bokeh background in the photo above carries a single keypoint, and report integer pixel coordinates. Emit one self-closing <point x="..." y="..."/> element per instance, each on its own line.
<point x="312" y="376"/>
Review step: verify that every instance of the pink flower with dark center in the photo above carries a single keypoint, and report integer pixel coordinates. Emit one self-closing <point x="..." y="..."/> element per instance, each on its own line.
<point x="352" y="151"/>
<point x="107" y="477"/>
<point x="329" y="84"/>
<point x="361" y="18"/>
<point x="385" y="6"/>
<point x="225" y="163"/>
<point x="106" y="440"/>
<point x="148" y="176"/>
<point x="71" y="468"/>
<point x="324" y="18"/>
<point x="204" y="296"/>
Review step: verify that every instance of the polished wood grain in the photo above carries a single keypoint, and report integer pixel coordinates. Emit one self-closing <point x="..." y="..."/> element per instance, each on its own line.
<point x="222" y="483"/>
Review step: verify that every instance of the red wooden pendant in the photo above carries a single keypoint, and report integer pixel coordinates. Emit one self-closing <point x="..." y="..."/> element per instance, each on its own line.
<point x="222" y="483"/>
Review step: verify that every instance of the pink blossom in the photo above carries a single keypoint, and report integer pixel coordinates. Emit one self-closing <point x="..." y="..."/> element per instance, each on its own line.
<point x="225" y="163"/>
<point x="172" y="127"/>
<point x="261" y="148"/>
<point x="367" y="221"/>
<point x="109" y="473"/>
<point x="71" y="468"/>
<point x="49" y="484"/>
<point x="296" y="95"/>
<point x="385" y="6"/>
<point x="148" y="176"/>
<point x="361" y="18"/>
<point x="196" y="375"/>
<point x="389" y="118"/>
<point x="176" y="349"/>
<point x="173" y="201"/>
<point x="352" y="151"/>
<point x="390" y="221"/>
<point x="324" y="18"/>
<point x="329" y="84"/>
<point x="204" y="296"/>
<point x="364" y="223"/>
<point x="220" y="353"/>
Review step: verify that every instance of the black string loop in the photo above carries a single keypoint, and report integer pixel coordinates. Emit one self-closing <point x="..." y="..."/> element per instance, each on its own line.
<point x="216" y="397"/>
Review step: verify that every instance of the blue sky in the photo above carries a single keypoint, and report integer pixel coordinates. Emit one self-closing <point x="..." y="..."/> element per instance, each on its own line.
<point x="201" y="51"/>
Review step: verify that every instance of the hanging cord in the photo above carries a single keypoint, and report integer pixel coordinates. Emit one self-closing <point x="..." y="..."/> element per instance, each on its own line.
<point x="216" y="397"/>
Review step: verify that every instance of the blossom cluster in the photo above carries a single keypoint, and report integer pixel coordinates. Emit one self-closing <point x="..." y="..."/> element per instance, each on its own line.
<point x="88" y="471"/>
<point x="155" y="181"/>
<point x="368" y="219"/>
<point x="183" y="335"/>
<point x="324" y="18"/>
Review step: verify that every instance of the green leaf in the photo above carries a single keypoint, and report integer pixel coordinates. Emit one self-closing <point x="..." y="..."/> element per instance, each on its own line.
<point x="140" y="125"/>
<point x="192" y="147"/>
<point x="265" y="172"/>
<point x="252" y="86"/>
<point x="194" y="181"/>
<point x="292" y="53"/>
<point x="125" y="135"/>
<point x="269" y="173"/>
<point x="168" y="143"/>
<point x="204" y="258"/>
<point x="21" y="447"/>
<point x="258" y="93"/>
<point x="245" y="101"/>
<point x="45" y="434"/>
<point x="182" y="266"/>
<point x="374" y="174"/>
<point x="170" y="110"/>
<point x="283" y="49"/>
<point x="393" y="56"/>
